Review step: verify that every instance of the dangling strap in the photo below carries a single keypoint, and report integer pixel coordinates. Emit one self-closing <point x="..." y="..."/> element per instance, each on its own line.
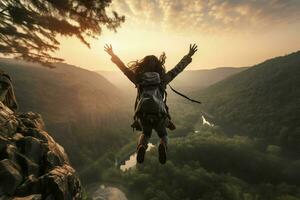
<point x="165" y="102"/>
<point x="137" y="96"/>
<point x="184" y="96"/>
<point x="136" y="100"/>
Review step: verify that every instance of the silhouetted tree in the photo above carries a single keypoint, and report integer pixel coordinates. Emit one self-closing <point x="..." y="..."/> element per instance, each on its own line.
<point x="28" y="28"/>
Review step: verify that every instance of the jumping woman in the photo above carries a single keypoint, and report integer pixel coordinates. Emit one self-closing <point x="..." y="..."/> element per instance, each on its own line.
<point x="151" y="112"/>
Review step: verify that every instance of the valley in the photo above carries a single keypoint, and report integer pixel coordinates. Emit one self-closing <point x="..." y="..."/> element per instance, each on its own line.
<point x="241" y="143"/>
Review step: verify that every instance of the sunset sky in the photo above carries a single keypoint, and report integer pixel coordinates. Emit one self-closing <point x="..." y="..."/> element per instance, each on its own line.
<point x="232" y="33"/>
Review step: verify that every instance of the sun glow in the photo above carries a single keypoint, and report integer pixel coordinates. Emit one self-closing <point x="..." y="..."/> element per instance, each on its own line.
<point x="145" y="33"/>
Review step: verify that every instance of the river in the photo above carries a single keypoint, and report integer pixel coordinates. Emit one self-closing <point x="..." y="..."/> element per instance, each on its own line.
<point x="103" y="192"/>
<point x="131" y="162"/>
<point x="206" y="122"/>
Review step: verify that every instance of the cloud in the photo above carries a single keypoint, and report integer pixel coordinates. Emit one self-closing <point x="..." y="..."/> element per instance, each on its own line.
<point x="209" y="15"/>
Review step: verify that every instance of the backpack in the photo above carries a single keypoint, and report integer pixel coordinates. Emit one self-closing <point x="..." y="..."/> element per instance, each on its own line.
<point x="150" y="99"/>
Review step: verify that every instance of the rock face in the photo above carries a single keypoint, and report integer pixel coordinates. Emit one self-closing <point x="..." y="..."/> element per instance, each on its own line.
<point x="32" y="164"/>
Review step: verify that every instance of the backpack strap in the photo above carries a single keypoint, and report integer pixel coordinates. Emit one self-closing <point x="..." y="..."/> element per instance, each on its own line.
<point x="167" y="108"/>
<point x="136" y="99"/>
<point x="184" y="96"/>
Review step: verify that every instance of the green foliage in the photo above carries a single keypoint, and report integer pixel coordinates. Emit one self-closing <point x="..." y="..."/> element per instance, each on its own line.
<point x="184" y="115"/>
<point x="210" y="165"/>
<point x="29" y="28"/>
<point x="262" y="101"/>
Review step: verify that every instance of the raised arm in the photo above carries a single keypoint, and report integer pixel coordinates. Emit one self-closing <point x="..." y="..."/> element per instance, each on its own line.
<point x="115" y="59"/>
<point x="187" y="59"/>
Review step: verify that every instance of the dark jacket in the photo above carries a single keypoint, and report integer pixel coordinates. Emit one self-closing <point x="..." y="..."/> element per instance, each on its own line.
<point x="169" y="76"/>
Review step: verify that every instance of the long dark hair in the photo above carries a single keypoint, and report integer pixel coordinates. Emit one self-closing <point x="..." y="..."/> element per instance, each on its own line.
<point x="149" y="63"/>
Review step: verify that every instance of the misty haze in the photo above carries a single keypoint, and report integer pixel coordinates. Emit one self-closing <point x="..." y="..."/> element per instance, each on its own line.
<point x="149" y="100"/>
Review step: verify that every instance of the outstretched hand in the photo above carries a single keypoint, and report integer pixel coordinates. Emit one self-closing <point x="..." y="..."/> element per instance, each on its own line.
<point x="193" y="49"/>
<point x="108" y="49"/>
<point x="162" y="58"/>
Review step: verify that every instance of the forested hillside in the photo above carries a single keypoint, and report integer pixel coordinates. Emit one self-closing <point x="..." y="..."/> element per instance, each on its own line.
<point x="80" y="108"/>
<point x="262" y="101"/>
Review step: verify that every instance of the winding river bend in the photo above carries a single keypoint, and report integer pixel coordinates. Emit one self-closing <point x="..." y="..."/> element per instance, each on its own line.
<point x="103" y="192"/>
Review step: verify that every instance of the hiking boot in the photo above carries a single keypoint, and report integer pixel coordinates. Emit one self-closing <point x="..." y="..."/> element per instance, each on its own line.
<point x="162" y="153"/>
<point x="141" y="150"/>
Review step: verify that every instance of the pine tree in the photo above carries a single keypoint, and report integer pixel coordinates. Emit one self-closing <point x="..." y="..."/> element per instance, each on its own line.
<point x="28" y="28"/>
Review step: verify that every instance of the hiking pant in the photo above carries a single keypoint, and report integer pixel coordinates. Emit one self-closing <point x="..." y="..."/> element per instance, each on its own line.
<point x="158" y="124"/>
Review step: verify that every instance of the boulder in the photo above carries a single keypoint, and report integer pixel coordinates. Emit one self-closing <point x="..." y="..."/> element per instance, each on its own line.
<point x="9" y="152"/>
<point x="32" y="120"/>
<point x="17" y="137"/>
<point x="3" y="145"/>
<point x="28" y="167"/>
<point x="60" y="183"/>
<point x="30" y="185"/>
<point x="8" y="121"/>
<point x="32" y="165"/>
<point x="31" y="148"/>
<point x="10" y="177"/>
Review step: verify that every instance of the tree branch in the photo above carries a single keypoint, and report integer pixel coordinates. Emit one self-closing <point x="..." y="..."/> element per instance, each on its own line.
<point x="5" y="9"/>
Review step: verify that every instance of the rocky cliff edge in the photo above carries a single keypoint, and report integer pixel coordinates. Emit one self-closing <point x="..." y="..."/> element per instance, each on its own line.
<point x="32" y="165"/>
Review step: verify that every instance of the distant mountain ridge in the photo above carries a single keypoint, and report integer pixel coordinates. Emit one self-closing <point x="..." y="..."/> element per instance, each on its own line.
<point x="188" y="80"/>
<point x="200" y="79"/>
